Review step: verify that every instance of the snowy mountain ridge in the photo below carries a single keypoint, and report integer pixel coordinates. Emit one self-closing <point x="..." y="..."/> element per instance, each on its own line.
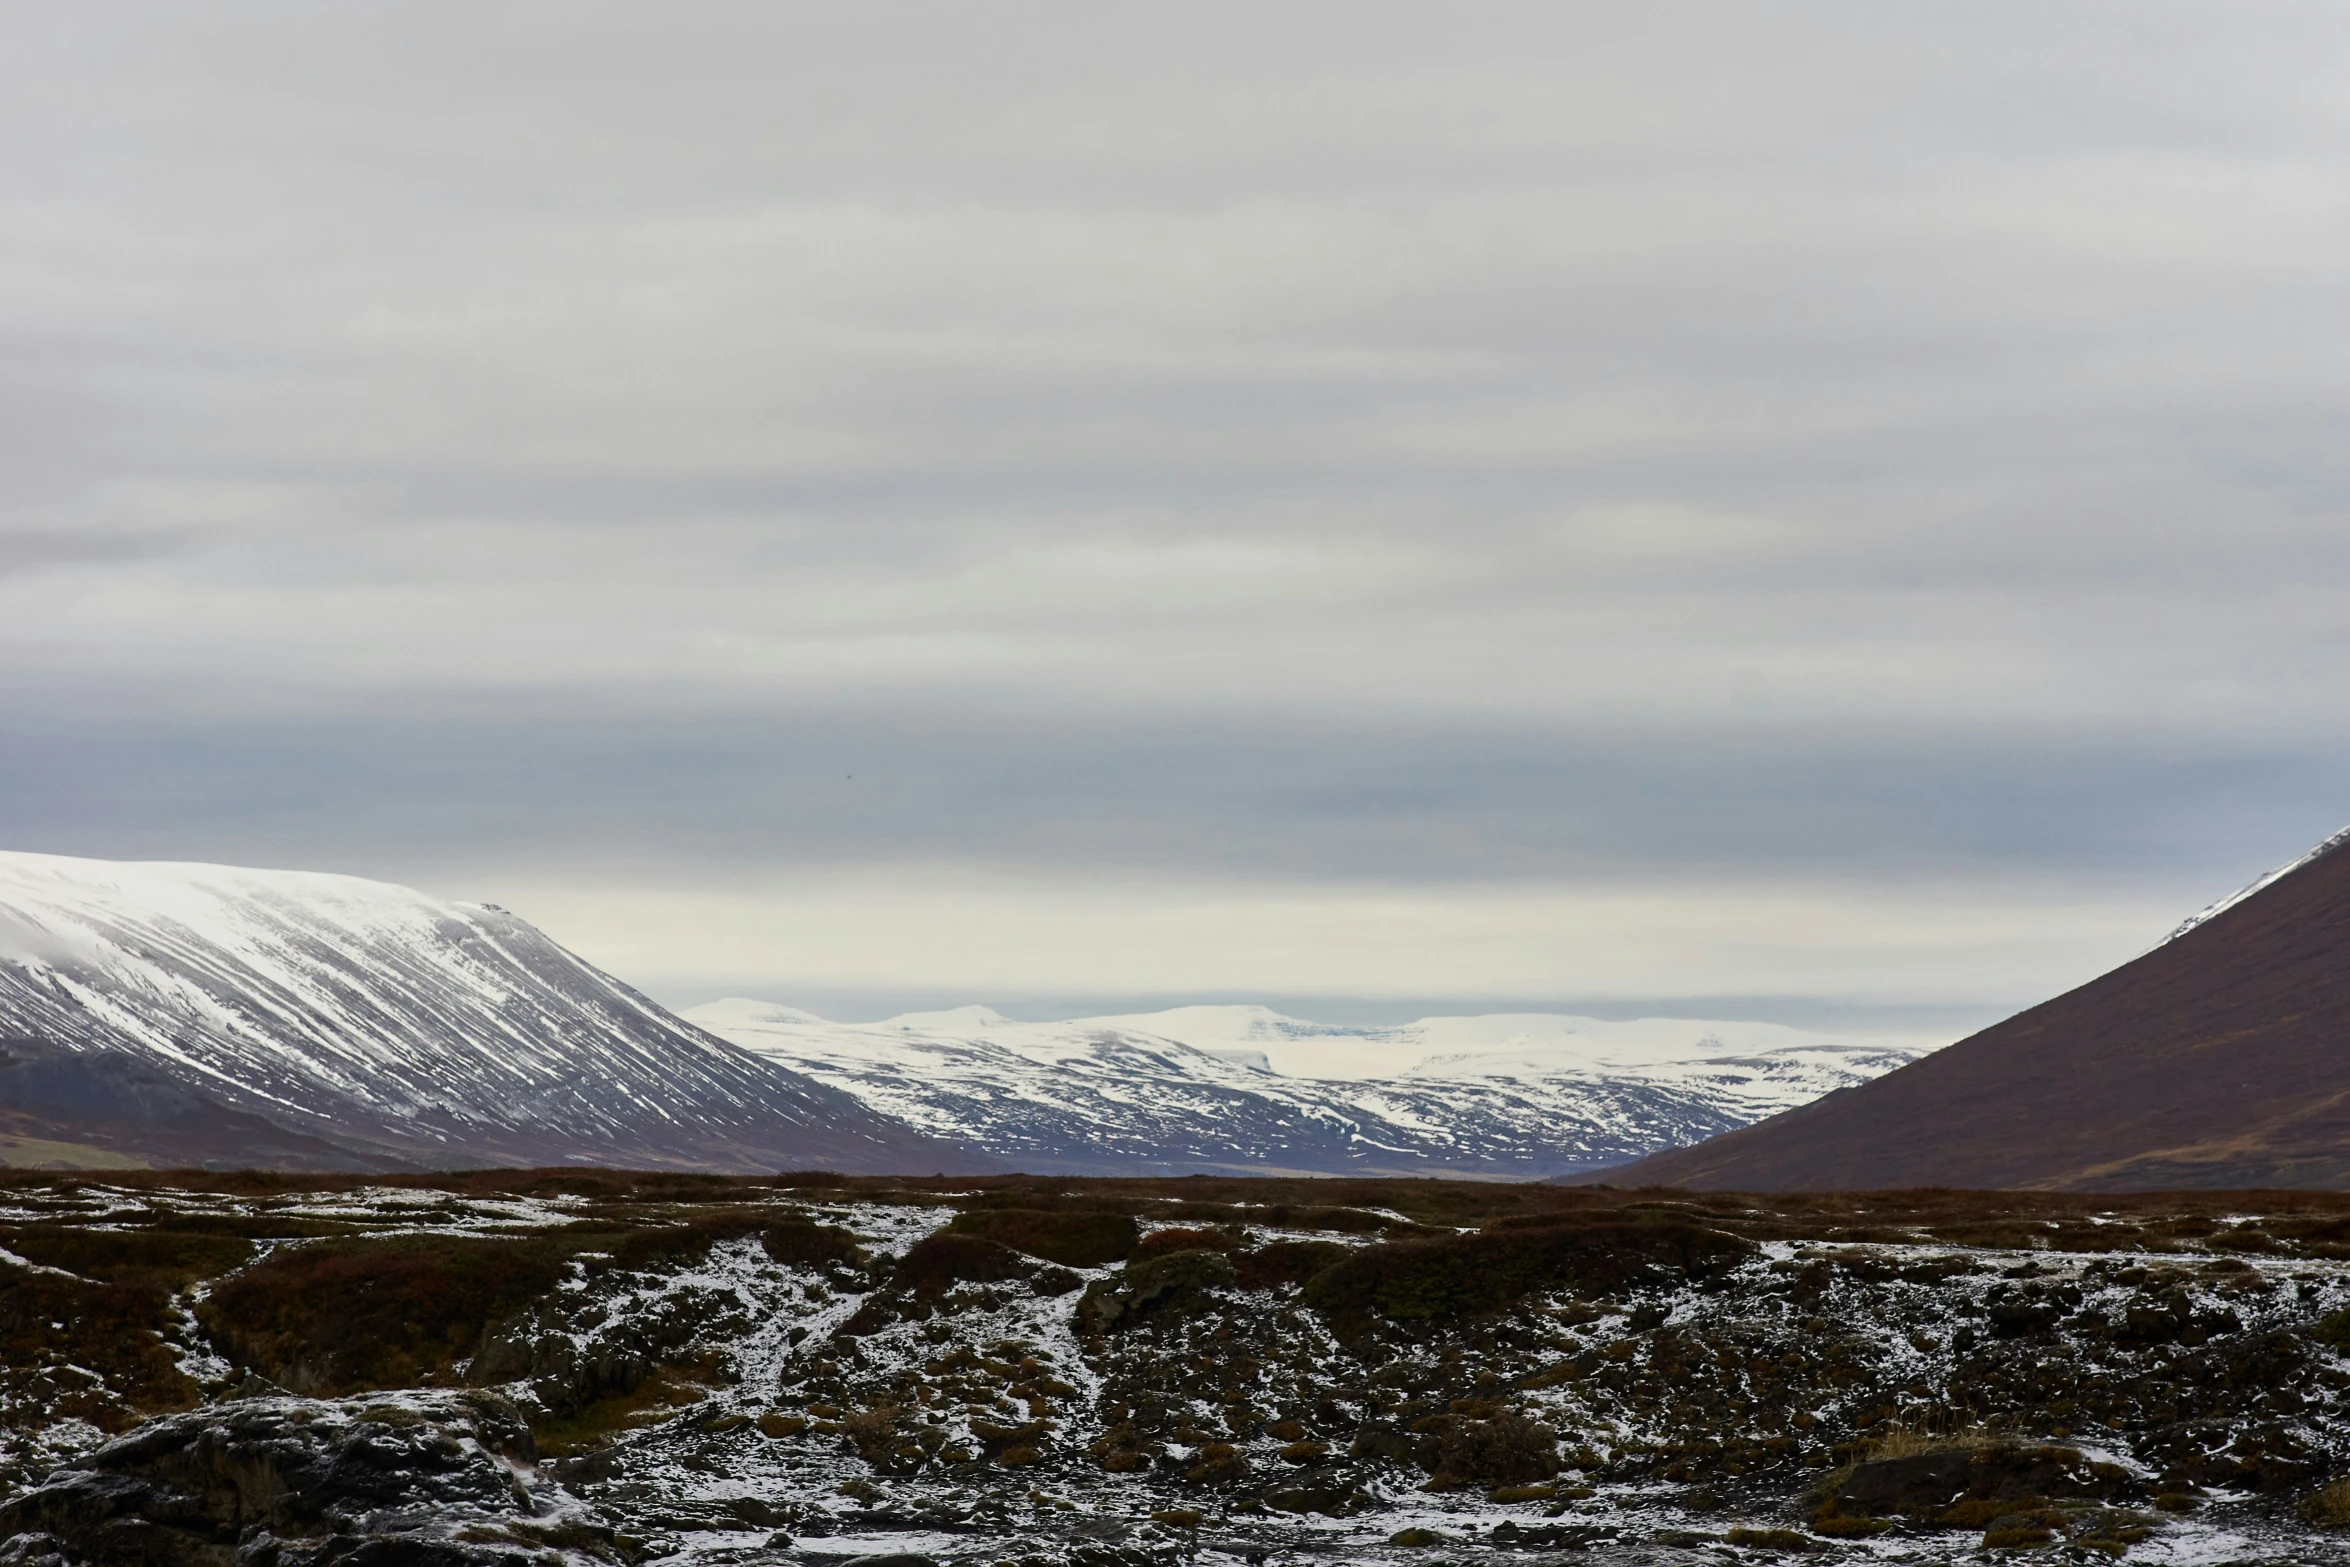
<point x="186" y="1014"/>
<point x="2259" y="883"/>
<point x="1242" y="1087"/>
<point x="333" y="1018"/>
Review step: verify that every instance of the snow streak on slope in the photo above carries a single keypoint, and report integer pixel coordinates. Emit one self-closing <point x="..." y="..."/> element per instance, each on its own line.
<point x="1177" y="1091"/>
<point x="2249" y="888"/>
<point x="379" y="1021"/>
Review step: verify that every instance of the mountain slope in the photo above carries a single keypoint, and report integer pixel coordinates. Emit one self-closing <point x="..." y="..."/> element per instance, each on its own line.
<point x="2221" y="1059"/>
<point x="207" y="1014"/>
<point x="1195" y="1089"/>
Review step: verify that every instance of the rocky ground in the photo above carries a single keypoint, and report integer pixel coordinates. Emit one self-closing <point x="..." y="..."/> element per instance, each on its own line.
<point x="598" y="1369"/>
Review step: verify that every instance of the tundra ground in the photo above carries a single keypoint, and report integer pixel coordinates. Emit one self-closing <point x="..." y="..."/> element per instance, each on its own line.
<point x="592" y="1367"/>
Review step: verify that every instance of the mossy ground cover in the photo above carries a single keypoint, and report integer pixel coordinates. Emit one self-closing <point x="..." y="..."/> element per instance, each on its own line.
<point x="1074" y="1239"/>
<point x="86" y="1349"/>
<point x="345" y="1316"/>
<point x="83" y="1328"/>
<point x="172" y="1257"/>
<point x="1593" y="1253"/>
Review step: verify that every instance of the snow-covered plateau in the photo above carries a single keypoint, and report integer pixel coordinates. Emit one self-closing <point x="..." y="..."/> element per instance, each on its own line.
<point x="1230" y="1088"/>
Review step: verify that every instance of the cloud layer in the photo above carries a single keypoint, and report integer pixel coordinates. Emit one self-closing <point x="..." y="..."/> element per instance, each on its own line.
<point x="1524" y="458"/>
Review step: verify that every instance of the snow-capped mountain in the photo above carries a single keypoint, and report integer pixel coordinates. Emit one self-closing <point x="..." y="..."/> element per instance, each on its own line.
<point x="201" y="1014"/>
<point x="1244" y="1088"/>
<point x="205" y="1014"/>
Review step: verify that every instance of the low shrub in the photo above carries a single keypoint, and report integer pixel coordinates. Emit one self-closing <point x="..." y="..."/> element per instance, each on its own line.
<point x="174" y="1258"/>
<point x="1160" y="1242"/>
<point x="1218" y="1463"/>
<point x="257" y="1226"/>
<point x="808" y="1180"/>
<point x="342" y="1317"/>
<point x="591" y="1426"/>
<point x="1506" y="1448"/>
<point x="1173" y="1286"/>
<point x="936" y="1263"/>
<point x="2328" y="1507"/>
<point x="1487" y="1271"/>
<point x="111" y="1329"/>
<point x="1843" y="1526"/>
<point x="1277" y="1263"/>
<point x="1772" y="1540"/>
<point x="1980" y="1512"/>
<point x="671" y="1246"/>
<point x="803" y="1243"/>
<point x="2018" y="1537"/>
<point x="1079" y="1239"/>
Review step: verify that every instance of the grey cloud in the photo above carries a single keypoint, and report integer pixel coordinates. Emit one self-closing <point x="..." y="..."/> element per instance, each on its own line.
<point x="726" y="798"/>
<point x="1324" y="441"/>
<point x="30" y="549"/>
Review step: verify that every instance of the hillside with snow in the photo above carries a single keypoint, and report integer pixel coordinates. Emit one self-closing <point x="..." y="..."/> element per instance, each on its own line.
<point x="1236" y="1088"/>
<point x="174" y="1014"/>
<point x="202" y="1014"/>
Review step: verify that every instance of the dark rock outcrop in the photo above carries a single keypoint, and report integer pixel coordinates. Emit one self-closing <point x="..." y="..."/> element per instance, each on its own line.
<point x="281" y="1482"/>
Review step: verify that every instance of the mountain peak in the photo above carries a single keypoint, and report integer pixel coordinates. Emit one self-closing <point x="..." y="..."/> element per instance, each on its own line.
<point x="735" y="1010"/>
<point x="207" y="1013"/>
<point x="950" y="1020"/>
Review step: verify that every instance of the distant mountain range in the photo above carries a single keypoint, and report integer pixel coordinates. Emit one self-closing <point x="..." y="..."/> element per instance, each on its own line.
<point x="2219" y="1060"/>
<point x="1240" y="1088"/>
<point x="203" y="1015"/>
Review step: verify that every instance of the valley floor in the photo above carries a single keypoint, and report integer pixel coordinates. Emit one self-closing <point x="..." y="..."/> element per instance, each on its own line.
<point x="588" y="1367"/>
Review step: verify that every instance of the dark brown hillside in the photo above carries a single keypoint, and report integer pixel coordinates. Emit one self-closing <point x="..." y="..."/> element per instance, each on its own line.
<point x="2220" y="1059"/>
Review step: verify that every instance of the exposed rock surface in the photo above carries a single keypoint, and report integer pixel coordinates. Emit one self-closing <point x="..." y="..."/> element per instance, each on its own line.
<point x="280" y="1482"/>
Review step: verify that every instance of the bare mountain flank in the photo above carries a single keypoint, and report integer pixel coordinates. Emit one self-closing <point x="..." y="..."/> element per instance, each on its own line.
<point x="2219" y="1060"/>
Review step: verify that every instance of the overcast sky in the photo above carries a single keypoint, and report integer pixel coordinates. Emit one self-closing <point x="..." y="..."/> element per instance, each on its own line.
<point x="1824" y="510"/>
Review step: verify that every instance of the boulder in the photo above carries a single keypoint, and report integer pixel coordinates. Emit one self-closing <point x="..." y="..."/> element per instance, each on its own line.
<point x="289" y="1482"/>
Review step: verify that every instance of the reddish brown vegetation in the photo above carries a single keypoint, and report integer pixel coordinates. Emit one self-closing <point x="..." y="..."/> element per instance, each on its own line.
<point x="937" y="1263"/>
<point x="1160" y="1242"/>
<point x="1073" y="1239"/>
<point x="2213" y="1061"/>
<point x="343" y="1316"/>
<point x="1597" y="1254"/>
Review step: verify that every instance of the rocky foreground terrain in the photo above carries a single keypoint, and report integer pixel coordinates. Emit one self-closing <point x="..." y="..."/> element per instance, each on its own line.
<point x="591" y="1368"/>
